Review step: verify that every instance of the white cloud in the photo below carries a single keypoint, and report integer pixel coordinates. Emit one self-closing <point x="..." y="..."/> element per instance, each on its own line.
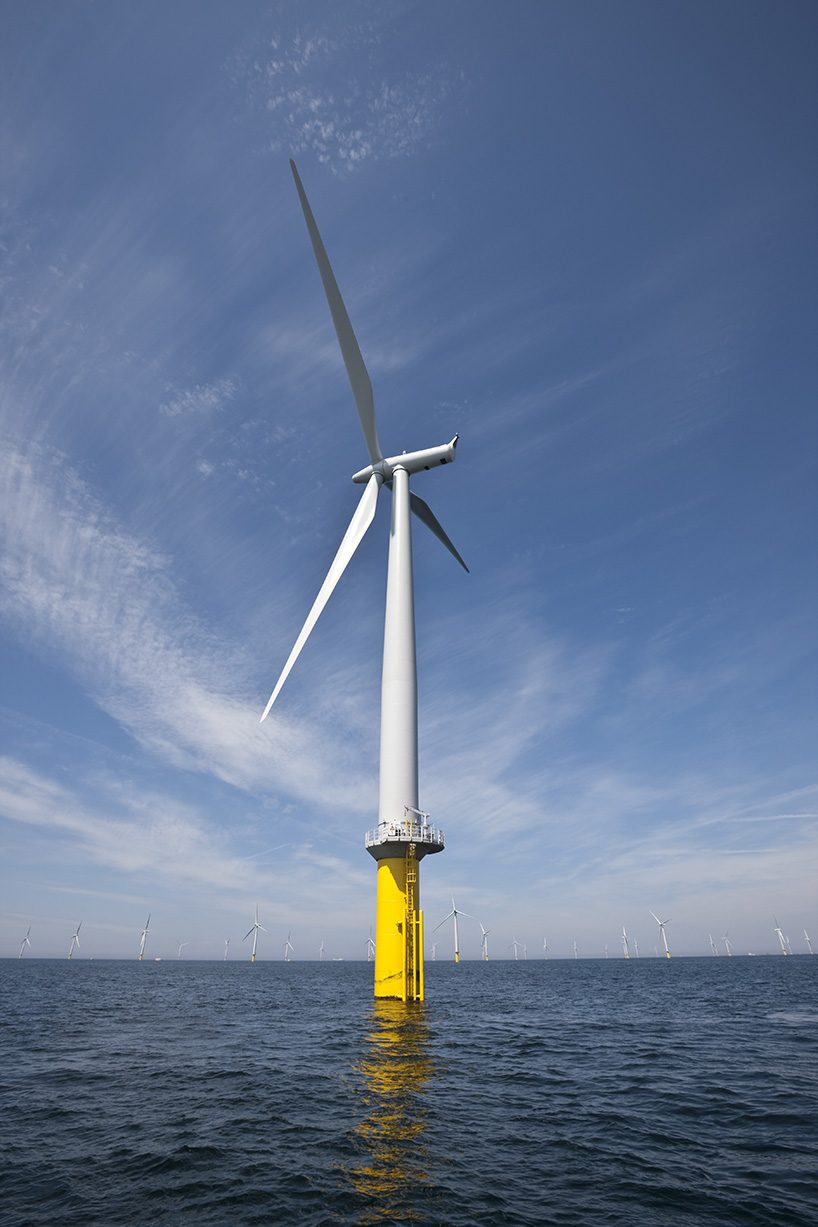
<point x="324" y="95"/>
<point x="204" y="398"/>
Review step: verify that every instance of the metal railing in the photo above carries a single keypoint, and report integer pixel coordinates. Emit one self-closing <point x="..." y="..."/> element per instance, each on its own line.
<point x="414" y="832"/>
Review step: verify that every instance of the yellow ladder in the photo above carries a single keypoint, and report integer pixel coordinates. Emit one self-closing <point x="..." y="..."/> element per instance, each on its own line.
<point x="414" y="930"/>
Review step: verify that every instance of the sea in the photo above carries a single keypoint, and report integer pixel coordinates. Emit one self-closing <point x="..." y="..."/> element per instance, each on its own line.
<point x="579" y="1092"/>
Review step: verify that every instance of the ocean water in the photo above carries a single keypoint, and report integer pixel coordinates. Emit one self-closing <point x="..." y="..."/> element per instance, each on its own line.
<point x="579" y="1092"/>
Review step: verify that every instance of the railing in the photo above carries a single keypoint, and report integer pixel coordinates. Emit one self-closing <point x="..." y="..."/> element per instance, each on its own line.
<point x="404" y="832"/>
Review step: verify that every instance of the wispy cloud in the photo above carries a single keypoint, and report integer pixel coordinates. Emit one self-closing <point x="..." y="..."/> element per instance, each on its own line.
<point x="327" y="96"/>
<point x="204" y="398"/>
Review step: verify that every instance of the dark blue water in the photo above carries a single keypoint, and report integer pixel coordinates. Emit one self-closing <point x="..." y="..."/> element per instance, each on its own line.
<point x="610" y="1092"/>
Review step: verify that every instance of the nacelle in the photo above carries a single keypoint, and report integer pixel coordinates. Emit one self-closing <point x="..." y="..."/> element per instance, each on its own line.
<point x="413" y="462"/>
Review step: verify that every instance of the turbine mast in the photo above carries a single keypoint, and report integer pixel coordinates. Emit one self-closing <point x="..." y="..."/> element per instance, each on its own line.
<point x="402" y="836"/>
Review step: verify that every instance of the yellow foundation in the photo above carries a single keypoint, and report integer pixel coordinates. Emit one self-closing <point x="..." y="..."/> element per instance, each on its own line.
<point x="399" y="929"/>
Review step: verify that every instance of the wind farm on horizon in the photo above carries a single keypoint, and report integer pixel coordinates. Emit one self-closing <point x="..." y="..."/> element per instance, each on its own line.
<point x="476" y="949"/>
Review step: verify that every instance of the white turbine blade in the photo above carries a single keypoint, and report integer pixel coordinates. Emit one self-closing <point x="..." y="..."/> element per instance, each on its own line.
<point x="262" y="928"/>
<point x="443" y="921"/>
<point x="655" y="917"/>
<point x="466" y="914"/>
<point x="360" y="522"/>
<point x="353" y="361"/>
<point x="244" y="939"/>
<point x="425" y="514"/>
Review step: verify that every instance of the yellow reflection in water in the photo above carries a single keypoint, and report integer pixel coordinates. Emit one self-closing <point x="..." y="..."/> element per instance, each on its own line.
<point x="396" y="1069"/>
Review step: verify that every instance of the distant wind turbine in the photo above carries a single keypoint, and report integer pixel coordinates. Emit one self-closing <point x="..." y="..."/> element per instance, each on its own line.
<point x="25" y="942"/>
<point x="370" y="947"/>
<point x="226" y="948"/>
<point x="809" y="943"/>
<point x="626" y="951"/>
<point x="516" y="945"/>
<point x="785" y="945"/>
<point x="713" y="949"/>
<point x="661" y="924"/>
<point x="181" y="948"/>
<point x="75" y="941"/>
<point x="636" y="946"/>
<point x="484" y="941"/>
<point x="143" y="937"/>
<point x="453" y="913"/>
<point x="728" y="947"/>
<point x="434" y="952"/>
<point x="576" y="955"/>
<point x="545" y="947"/>
<point x="321" y="951"/>
<point x="255" y="931"/>
<point x="288" y="948"/>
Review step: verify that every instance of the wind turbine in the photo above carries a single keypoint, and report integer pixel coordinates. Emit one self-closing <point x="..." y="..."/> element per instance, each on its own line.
<point x="484" y="941"/>
<point x="75" y="941"/>
<point x="288" y="948"/>
<point x="713" y="949"/>
<point x="143" y="937"/>
<point x="661" y="924"/>
<point x="785" y="945"/>
<point x="370" y="947"/>
<point x="809" y="943"/>
<point x="545" y="947"/>
<point x="25" y="942"/>
<point x="255" y="931"/>
<point x="576" y="956"/>
<point x="321" y="951"/>
<point x="403" y="836"/>
<point x="226" y="948"/>
<point x="626" y="950"/>
<point x="728" y="947"/>
<point x="636" y="946"/>
<point x="181" y="948"/>
<point x="525" y="951"/>
<point x="516" y="945"/>
<point x="453" y="913"/>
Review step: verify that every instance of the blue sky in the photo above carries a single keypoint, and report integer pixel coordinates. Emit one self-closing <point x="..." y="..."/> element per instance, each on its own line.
<point x="582" y="236"/>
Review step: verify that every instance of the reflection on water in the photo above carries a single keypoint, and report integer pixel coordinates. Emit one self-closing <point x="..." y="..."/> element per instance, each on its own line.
<point x="396" y="1069"/>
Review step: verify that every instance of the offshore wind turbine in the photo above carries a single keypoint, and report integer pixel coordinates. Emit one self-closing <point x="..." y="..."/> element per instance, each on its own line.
<point x="626" y="950"/>
<point x="484" y="942"/>
<point x="727" y="945"/>
<point x="636" y="946"/>
<point x="321" y="951"/>
<point x="181" y="948"/>
<point x="25" y="942"/>
<point x="453" y="913"/>
<point x="75" y="941"/>
<point x="661" y="924"/>
<point x="545" y="947"/>
<point x="256" y="929"/>
<point x="515" y="944"/>
<point x="403" y="835"/>
<point x="226" y="948"/>
<point x="713" y="949"/>
<point x="809" y="943"/>
<point x="370" y="947"/>
<point x="785" y="945"/>
<point x="143" y="937"/>
<point x="288" y="947"/>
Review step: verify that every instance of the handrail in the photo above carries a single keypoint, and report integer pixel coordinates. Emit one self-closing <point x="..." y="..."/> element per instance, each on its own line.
<point x="388" y="832"/>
